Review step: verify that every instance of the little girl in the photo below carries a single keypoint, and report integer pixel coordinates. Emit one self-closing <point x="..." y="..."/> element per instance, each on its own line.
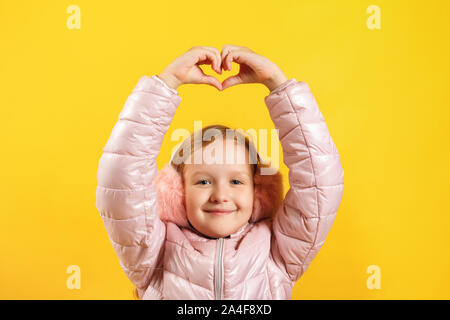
<point x="217" y="230"/>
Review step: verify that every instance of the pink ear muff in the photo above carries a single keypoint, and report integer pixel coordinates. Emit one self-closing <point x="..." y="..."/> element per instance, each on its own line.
<point x="171" y="200"/>
<point x="171" y="204"/>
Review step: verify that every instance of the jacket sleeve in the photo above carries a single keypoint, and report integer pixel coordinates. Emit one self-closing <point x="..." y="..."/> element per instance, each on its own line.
<point x="126" y="196"/>
<point x="316" y="178"/>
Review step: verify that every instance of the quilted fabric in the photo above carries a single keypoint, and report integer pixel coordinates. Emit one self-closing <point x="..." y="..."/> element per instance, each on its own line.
<point x="167" y="259"/>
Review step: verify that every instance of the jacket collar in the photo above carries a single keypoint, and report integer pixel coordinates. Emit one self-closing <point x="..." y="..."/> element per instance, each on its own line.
<point x="235" y="235"/>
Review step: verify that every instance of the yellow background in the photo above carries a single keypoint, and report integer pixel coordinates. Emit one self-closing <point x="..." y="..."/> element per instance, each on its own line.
<point x="384" y="95"/>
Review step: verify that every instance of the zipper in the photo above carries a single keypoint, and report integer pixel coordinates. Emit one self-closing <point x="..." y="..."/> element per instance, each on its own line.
<point x="218" y="284"/>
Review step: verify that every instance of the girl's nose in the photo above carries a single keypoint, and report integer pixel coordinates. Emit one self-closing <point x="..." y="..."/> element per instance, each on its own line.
<point x="219" y="194"/>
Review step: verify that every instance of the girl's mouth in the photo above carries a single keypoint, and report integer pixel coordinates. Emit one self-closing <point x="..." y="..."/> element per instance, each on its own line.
<point x="220" y="212"/>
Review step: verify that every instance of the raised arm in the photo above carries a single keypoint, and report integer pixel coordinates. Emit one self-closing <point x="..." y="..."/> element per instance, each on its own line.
<point x="316" y="177"/>
<point x="126" y="196"/>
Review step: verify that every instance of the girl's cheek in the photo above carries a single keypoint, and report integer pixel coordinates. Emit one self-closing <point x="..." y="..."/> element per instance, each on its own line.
<point x="197" y="197"/>
<point x="246" y="198"/>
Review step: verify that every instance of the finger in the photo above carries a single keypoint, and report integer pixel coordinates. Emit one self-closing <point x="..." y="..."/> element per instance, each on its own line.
<point x="229" y="59"/>
<point x="218" y="65"/>
<point x="231" y="81"/>
<point x="215" y="60"/>
<point x="228" y="48"/>
<point x="213" y="82"/>
<point x="240" y="57"/>
<point x="225" y="51"/>
<point x="205" y="57"/>
<point x="210" y="80"/>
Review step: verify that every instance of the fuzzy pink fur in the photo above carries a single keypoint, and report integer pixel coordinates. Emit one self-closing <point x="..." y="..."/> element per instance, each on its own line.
<point x="171" y="200"/>
<point x="171" y="204"/>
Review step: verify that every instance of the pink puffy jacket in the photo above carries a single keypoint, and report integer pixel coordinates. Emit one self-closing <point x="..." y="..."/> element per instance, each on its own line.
<point x="164" y="257"/>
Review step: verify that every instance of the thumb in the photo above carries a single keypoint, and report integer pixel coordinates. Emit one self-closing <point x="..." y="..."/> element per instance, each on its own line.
<point x="231" y="81"/>
<point x="205" y="79"/>
<point x="212" y="82"/>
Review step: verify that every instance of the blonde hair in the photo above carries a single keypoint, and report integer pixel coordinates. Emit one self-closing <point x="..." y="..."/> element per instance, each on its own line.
<point x="196" y="141"/>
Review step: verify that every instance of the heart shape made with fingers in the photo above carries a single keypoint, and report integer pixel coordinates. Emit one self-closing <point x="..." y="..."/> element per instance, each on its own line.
<point x="253" y="68"/>
<point x="243" y="57"/>
<point x="233" y="79"/>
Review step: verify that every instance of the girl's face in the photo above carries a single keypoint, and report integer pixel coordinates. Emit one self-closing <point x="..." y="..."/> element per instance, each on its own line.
<point x="219" y="196"/>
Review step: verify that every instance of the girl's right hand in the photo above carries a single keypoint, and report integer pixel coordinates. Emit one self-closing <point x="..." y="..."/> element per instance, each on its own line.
<point x="185" y="69"/>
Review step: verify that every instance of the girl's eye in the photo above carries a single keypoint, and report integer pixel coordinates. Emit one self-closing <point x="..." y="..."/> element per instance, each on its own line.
<point x="204" y="182"/>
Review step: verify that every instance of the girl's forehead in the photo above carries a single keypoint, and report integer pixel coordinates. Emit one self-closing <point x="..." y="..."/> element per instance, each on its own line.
<point x="221" y="152"/>
<point x="218" y="169"/>
<point x="227" y="158"/>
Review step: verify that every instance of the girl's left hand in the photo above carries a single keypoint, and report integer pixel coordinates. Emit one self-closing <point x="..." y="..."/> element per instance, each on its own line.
<point x="254" y="68"/>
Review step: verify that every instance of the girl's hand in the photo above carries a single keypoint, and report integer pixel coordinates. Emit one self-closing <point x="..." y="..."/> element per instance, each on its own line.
<point x="253" y="68"/>
<point x="185" y="69"/>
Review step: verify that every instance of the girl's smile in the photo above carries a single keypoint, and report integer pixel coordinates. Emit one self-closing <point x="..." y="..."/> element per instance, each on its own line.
<point x="220" y="212"/>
